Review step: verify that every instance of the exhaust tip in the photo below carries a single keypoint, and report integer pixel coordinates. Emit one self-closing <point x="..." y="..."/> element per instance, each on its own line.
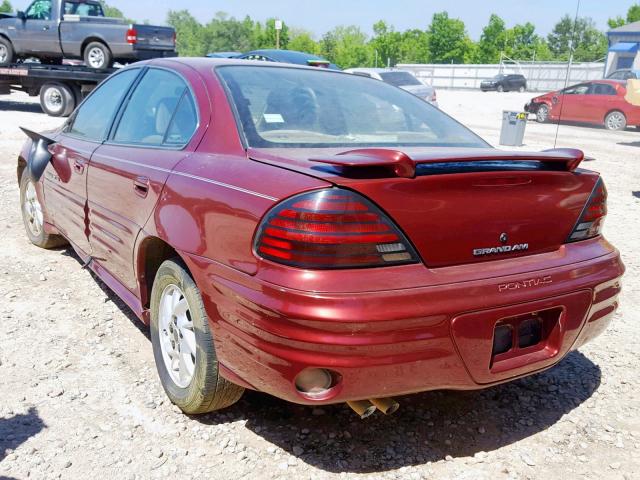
<point x="387" y="406"/>
<point x="364" y="408"/>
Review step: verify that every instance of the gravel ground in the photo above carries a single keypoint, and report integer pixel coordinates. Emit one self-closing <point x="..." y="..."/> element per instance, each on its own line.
<point x="79" y="395"/>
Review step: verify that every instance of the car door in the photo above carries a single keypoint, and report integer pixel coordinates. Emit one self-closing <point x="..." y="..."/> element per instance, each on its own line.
<point x="568" y="103"/>
<point x="65" y="187"/>
<point x="599" y="100"/>
<point x="128" y="172"/>
<point x="39" y="31"/>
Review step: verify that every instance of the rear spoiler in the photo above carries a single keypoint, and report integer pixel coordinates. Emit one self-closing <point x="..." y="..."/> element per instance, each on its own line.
<point x="402" y="165"/>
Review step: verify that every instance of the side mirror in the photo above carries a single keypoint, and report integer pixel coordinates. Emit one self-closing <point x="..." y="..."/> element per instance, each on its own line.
<point x="39" y="155"/>
<point x="20" y="14"/>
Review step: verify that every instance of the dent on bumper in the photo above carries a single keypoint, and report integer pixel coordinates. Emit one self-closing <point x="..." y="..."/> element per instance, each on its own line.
<point x="382" y="343"/>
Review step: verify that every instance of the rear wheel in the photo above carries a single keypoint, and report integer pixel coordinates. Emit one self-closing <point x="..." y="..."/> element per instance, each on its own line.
<point x="7" y="55"/>
<point x="97" y="55"/>
<point x="183" y="346"/>
<point x="57" y="99"/>
<point x="33" y="216"/>
<point x="500" y="88"/>
<point x="542" y="114"/>
<point x="522" y="88"/>
<point x="615" y="121"/>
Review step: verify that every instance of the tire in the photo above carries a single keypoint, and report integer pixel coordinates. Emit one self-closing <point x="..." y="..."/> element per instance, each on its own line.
<point x="57" y="99"/>
<point x="615" y="121"/>
<point x="33" y="216"/>
<point x="542" y="113"/>
<point x="522" y="88"/>
<point x="7" y="54"/>
<point x="201" y="389"/>
<point x="500" y="88"/>
<point x="97" y="55"/>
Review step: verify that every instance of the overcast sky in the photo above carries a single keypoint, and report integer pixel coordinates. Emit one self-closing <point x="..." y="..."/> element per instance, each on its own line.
<point x="318" y="16"/>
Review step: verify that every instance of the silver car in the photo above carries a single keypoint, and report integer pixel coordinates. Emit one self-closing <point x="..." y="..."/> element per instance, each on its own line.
<point x="399" y="78"/>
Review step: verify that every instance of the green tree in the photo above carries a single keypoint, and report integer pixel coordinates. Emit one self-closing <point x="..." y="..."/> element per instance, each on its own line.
<point x="633" y="15"/>
<point x="114" y="12"/>
<point x="414" y="47"/>
<point x="224" y="33"/>
<point x="386" y="44"/>
<point x="448" y="40"/>
<point x="492" y="41"/>
<point x="190" y="34"/>
<point x="589" y="43"/>
<point x="5" y="7"/>
<point x="347" y="47"/>
<point x="264" y="36"/>
<point x="302" y="41"/>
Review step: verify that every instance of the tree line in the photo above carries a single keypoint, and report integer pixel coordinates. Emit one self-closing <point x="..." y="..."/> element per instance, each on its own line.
<point x="445" y="40"/>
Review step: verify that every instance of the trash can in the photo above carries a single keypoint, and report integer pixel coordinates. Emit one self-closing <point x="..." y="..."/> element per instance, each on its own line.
<point x="512" y="131"/>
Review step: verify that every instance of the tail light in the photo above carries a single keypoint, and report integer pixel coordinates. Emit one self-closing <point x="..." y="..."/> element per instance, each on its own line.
<point x="331" y="228"/>
<point x="175" y="37"/>
<point x="592" y="217"/>
<point x="132" y="36"/>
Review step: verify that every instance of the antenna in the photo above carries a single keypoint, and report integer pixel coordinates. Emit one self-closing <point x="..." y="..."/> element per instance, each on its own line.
<point x="566" y="78"/>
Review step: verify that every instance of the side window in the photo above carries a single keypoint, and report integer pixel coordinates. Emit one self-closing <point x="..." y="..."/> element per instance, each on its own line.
<point x="39" y="10"/>
<point x="94" y="116"/>
<point x="577" y="90"/>
<point x="151" y="115"/>
<point x="603" y="89"/>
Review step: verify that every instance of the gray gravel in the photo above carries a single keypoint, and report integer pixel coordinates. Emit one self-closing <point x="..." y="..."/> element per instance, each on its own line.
<point x="79" y="396"/>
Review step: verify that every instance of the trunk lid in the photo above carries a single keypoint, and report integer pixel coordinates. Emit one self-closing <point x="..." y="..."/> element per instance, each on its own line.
<point x="150" y="36"/>
<point x="460" y="205"/>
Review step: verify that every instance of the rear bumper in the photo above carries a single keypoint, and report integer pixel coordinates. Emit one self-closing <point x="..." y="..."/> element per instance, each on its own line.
<point x="134" y="52"/>
<point x="399" y="341"/>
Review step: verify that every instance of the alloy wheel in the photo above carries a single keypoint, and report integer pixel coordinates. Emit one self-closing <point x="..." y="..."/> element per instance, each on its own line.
<point x="33" y="210"/>
<point x="615" y="121"/>
<point x="177" y="336"/>
<point x="96" y="58"/>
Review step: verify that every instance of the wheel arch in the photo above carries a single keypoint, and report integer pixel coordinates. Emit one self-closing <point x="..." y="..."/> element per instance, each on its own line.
<point x="22" y="166"/>
<point x="150" y="253"/>
<point x="611" y="111"/>
<point x="93" y="38"/>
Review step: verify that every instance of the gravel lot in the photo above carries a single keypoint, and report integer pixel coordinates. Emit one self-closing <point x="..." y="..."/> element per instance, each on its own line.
<point x="79" y="395"/>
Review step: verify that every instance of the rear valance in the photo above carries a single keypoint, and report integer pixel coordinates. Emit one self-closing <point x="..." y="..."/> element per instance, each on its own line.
<point x="402" y="165"/>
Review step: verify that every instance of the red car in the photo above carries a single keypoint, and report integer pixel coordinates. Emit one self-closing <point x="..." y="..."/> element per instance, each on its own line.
<point x="319" y="236"/>
<point x="600" y="102"/>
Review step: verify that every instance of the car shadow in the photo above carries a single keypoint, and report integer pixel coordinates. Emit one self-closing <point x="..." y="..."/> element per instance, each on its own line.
<point x="68" y="251"/>
<point x="629" y="144"/>
<point x="16" y="430"/>
<point x="428" y="427"/>
<point x="10" y="105"/>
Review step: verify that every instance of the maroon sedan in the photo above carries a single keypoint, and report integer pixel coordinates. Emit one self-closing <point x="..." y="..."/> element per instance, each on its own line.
<point x="600" y="102"/>
<point x="320" y="236"/>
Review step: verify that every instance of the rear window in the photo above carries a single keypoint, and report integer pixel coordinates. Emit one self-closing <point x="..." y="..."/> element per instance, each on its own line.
<point x="290" y="107"/>
<point x="399" y="79"/>
<point x="83" y="9"/>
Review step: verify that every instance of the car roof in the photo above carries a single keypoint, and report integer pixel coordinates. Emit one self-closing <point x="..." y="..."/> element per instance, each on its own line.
<point x="203" y="65"/>
<point x="284" y="55"/>
<point x="377" y="70"/>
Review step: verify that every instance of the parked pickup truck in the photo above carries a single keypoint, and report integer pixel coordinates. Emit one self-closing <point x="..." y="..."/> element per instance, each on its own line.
<point x="51" y="30"/>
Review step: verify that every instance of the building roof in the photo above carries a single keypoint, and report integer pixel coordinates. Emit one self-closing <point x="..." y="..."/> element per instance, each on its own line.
<point x="628" y="28"/>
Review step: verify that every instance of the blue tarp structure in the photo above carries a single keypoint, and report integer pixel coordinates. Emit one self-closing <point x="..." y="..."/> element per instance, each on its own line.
<point x="628" y="47"/>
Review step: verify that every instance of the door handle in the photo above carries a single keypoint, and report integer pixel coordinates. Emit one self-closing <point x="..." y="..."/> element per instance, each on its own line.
<point x="45" y="28"/>
<point x="78" y="166"/>
<point x="141" y="186"/>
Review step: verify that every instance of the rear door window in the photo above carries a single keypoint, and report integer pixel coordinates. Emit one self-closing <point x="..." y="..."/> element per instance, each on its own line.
<point x="93" y="118"/>
<point x="602" y="89"/>
<point x="161" y="111"/>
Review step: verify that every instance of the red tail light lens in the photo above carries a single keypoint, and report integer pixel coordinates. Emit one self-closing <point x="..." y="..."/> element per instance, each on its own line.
<point x="132" y="36"/>
<point x="175" y="37"/>
<point x="592" y="217"/>
<point x="331" y="228"/>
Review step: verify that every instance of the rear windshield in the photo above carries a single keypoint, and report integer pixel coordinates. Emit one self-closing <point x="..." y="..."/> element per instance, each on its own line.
<point x="399" y="79"/>
<point x="304" y="108"/>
